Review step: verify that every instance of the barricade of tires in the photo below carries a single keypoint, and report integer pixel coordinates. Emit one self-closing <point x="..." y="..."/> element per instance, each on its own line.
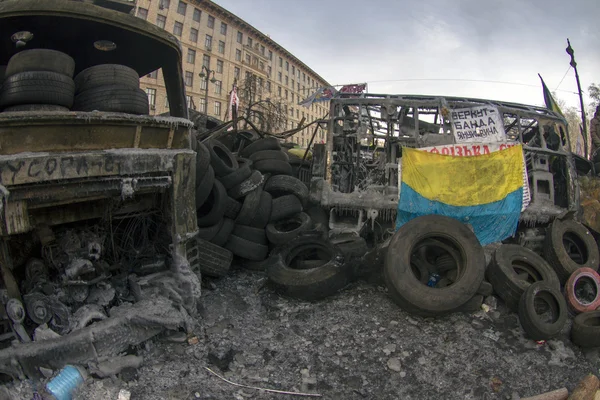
<point x="435" y="265"/>
<point x="42" y="80"/>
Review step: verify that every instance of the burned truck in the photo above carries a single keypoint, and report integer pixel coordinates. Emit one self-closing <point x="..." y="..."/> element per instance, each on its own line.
<point x="355" y="175"/>
<point x="97" y="224"/>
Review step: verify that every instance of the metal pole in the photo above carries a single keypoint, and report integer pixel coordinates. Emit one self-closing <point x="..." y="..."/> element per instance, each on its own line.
<point x="571" y="52"/>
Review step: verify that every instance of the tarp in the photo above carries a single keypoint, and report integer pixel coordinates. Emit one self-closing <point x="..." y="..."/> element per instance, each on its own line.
<point x="485" y="191"/>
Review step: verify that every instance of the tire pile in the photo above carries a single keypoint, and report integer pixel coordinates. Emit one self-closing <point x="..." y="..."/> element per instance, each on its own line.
<point x="42" y="80"/>
<point x="250" y="210"/>
<point x="435" y="265"/>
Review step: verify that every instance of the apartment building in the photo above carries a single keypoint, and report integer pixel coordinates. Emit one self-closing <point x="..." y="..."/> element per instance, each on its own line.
<point x="231" y="50"/>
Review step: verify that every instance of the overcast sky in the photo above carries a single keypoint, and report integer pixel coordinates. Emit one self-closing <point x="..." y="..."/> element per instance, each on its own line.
<point x="379" y="41"/>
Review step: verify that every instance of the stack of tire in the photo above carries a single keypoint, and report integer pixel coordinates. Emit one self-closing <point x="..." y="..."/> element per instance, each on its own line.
<point x="110" y="88"/>
<point x="38" y="80"/>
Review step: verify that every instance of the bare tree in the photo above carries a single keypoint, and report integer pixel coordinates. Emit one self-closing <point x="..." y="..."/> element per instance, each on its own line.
<point x="573" y="118"/>
<point x="259" y="105"/>
<point x="594" y="93"/>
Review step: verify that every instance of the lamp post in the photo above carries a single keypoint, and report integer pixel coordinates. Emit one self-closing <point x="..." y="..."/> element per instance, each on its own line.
<point x="206" y="76"/>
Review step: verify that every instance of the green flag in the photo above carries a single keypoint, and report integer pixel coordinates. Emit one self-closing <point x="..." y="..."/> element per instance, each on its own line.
<point x="549" y="100"/>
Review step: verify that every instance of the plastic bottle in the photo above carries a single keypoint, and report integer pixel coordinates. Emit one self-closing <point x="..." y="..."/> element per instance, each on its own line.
<point x="64" y="384"/>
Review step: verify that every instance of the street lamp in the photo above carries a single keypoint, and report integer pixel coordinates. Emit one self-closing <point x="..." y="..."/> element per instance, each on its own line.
<point x="206" y="76"/>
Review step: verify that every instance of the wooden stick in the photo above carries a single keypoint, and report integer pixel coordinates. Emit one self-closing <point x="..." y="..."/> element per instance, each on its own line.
<point x="558" y="394"/>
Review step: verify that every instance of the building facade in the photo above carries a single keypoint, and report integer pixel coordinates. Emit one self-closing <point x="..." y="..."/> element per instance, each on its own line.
<point x="231" y="50"/>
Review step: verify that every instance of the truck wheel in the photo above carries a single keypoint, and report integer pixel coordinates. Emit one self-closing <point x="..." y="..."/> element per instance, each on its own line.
<point x="542" y="311"/>
<point x="260" y="145"/>
<point x="269" y="155"/>
<point x="221" y="159"/>
<point x="38" y="87"/>
<point x="246" y="248"/>
<point x="284" y="207"/>
<point x="216" y="260"/>
<point x="106" y="75"/>
<point x="113" y="98"/>
<point x="569" y="246"/>
<point x="280" y="185"/>
<point x="40" y="60"/>
<point x="283" y="231"/>
<point x="273" y="167"/>
<point x="582" y="291"/>
<point x="213" y="208"/>
<point x="513" y="268"/>
<point x="204" y="187"/>
<point x="586" y="329"/>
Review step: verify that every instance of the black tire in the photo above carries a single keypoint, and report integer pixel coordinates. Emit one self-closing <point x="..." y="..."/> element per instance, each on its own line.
<point x="485" y="289"/>
<point x="320" y="219"/>
<point x="209" y="232"/>
<point x="106" y="75"/>
<point x="216" y="260"/>
<point x="404" y="287"/>
<point x="280" y="185"/>
<point x="273" y="167"/>
<point x="263" y="213"/>
<point x="38" y="87"/>
<point x="596" y="165"/>
<point x="247" y="249"/>
<point x="260" y="145"/>
<point x="582" y="252"/>
<point x="221" y="159"/>
<point x="213" y="208"/>
<point x="586" y="329"/>
<point x="249" y="207"/>
<point x="288" y="229"/>
<point x="36" y="107"/>
<point x="224" y="232"/>
<point x="2" y="71"/>
<point x="232" y="208"/>
<point x="250" y="184"/>
<point x="204" y="187"/>
<point x="351" y="246"/>
<point x="40" y="60"/>
<point x="113" y="98"/>
<point x="534" y="325"/>
<point x="472" y="305"/>
<point x="236" y="177"/>
<point x="285" y="207"/>
<point x="513" y="268"/>
<point x="202" y="160"/>
<point x="269" y="155"/>
<point x="256" y="235"/>
<point x="308" y="284"/>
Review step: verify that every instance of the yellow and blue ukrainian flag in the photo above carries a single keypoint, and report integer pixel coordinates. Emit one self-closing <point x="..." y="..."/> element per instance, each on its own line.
<point x="485" y="191"/>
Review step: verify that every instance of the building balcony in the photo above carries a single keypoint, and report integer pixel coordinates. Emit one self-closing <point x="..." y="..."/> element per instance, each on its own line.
<point x="255" y="50"/>
<point x="255" y="68"/>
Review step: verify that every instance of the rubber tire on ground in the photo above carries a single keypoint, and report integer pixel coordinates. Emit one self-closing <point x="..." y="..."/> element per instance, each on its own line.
<point x="249" y="207"/>
<point x="36" y="107"/>
<point x="224" y="232"/>
<point x="213" y="208"/>
<point x="238" y="191"/>
<point x="202" y="160"/>
<point x="38" y="87"/>
<point x="260" y="145"/>
<point x="273" y="167"/>
<point x="535" y="328"/>
<point x="256" y="235"/>
<point x="204" y="187"/>
<point x="2" y="70"/>
<point x="113" y="98"/>
<point x="247" y="249"/>
<point x="280" y="185"/>
<point x="106" y="75"/>
<point x="216" y="260"/>
<point x="308" y="284"/>
<point x="575" y="304"/>
<point x="586" y="329"/>
<point x="407" y="291"/>
<point x="40" y="60"/>
<point x="221" y="159"/>
<point x="472" y="305"/>
<point x="263" y="213"/>
<point x="236" y="177"/>
<point x="232" y="208"/>
<point x="269" y="155"/>
<point x="285" y="207"/>
<point x="556" y="254"/>
<point x="278" y="233"/>
<point x="504" y="279"/>
<point x="209" y="232"/>
<point x="351" y="246"/>
<point x="485" y="289"/>
<point x="597" y="168"/>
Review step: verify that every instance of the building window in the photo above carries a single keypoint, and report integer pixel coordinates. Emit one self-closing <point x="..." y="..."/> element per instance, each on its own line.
<point x="303" y="77"/>
<point x="279" y="76"/>
<point x="219" y="66"/>
<point x="161" y="21"/>
<point x="206" y="61"/>
<point x="153" y="74"/>
<point x="298" y="73"/>
<point x="262" y="50"/>
<point x="269" y="86"/>
<point x="269" y="71"/>
<point x="196" y="15"/>
<point x="286" y="94"/>
<point x="218" y="87"/>
<point x="249" y="41"/>
<point x="223" y="28"/>
<point x="279" y="91"/>
<point x="298" y="86"/>
<point x="287" y="66"/>
<point x="236" y="73"/>
<point x="260" y="82"/>
<point x="293" y="84"/>
<point x="211" y="21"/>
<point x="240" y="37"/>
<point x="166" y="102"/>
<point x="188" y="101"/>
<point x="164" y="5"/>
<point x="293" y="70"/>
<point x="194" y="35"/>
<point x="221" y="47"/>
<point x="248" y="59"/>
<point x="189" y="78"/>
<point x="292" y="98"/>
<point x="203" y="84"/>
<point x="238" y="55"/>
<point x="297" y="113"/>
<point x="261" y="65"/>
<point x="191" y="56"/>
<point x="270" y="55"/>
<point x="151" y="97"/>
<point x="208" y="42"/>
<point x="287" y="81"/>
<point x="142" y="13"/>
<point x="181" y="8"/>
<point x="280" y="62"/>
<point x="178" y="29"/>
<point x="248" y="75"/>
<point x="217" y="108"/>
<point x="203" y="105"/>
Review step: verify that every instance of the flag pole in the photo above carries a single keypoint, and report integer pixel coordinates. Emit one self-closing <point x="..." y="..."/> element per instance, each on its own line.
<point x="571" y="52"/>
